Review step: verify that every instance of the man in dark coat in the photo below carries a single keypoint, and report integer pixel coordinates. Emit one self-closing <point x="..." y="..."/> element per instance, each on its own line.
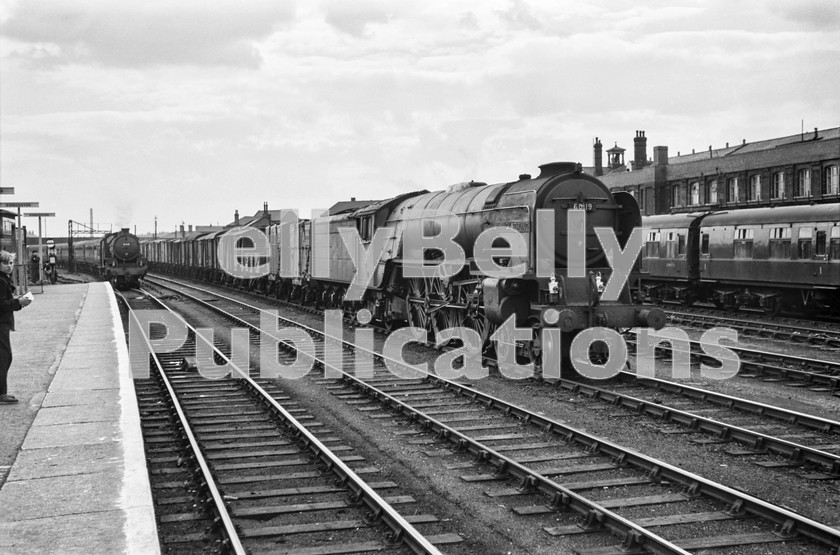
<point x="8" y="305"/>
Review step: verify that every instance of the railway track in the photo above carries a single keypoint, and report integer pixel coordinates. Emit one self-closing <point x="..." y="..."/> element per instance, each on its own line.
<point x="796" y="331"/>
<point x="817" y="375"/>
<point x="497" y="443"/>
<point x="257" y="478"/>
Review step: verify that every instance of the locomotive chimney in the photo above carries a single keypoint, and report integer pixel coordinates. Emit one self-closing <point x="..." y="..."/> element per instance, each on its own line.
<point x="639" y="150"/>
<point x="599" y="158"/>
<point x="236" y="217"/>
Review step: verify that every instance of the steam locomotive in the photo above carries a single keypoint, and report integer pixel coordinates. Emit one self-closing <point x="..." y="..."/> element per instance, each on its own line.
<point x="116" y="257"/>
<point x="543" y="292"/>
<point x="767" y="259"/>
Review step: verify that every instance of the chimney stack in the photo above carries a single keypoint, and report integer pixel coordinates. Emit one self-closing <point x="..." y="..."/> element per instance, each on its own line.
<point x="236" y="217"/>
<point x="598" y="158"/>
<point x="660" y="155"/>
<point x="639" y="150"/>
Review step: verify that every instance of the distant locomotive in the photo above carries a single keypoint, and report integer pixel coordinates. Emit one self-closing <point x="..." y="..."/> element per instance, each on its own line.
<point x="763" y="258"/>
<point x="116" y="257"/>
<point x="470" y="297"/>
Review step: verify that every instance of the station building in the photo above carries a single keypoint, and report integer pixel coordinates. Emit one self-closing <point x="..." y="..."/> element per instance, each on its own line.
<point x="796" y="169"/>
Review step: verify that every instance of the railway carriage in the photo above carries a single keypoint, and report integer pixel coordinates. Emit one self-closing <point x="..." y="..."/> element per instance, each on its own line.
<point x="762" y="258"/>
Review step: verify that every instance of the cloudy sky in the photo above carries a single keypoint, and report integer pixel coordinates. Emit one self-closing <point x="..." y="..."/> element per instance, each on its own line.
<point x="188" y="110"/>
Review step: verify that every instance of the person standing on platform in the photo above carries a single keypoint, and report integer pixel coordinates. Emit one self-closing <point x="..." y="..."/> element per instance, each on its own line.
<point x="35" y="268"/>
<point x="8" y="305"/>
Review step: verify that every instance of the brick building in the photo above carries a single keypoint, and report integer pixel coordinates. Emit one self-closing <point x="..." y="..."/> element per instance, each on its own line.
<point x="797" y="169"/>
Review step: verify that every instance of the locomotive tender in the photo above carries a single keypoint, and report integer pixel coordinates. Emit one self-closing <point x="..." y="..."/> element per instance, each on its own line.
<point x="468" y="297"/>
<point x="764" y="258"/>
<point x="116" y="257"/>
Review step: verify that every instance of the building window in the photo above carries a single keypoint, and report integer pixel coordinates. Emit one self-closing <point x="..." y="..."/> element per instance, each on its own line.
<point x="695" y="193"/>
<point x="743" y="243"/>
<point x="831" y="183"/>
<point x="780" y="242"/>
<point x="713" y="198"/>
<point x="804" y="245"/>
<point x="755" y="188"/>
<point x="675" y="196"/>
<point x="643" y="200"/>
<point x="778" y="191"/>
<point x="803" y="184"/>
<point x="732" y="189"/>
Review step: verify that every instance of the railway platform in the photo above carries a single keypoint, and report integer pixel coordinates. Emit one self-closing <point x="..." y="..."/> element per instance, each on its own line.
<point x="73" y="476"/>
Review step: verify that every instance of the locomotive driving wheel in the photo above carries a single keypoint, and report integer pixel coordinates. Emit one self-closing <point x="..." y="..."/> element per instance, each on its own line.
<point x="418" y="304"/>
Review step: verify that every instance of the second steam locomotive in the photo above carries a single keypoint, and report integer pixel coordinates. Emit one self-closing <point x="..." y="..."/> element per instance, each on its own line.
<point x="116" y="257"/>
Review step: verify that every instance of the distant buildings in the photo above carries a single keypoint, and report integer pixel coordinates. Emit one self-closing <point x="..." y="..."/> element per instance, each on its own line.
<point x="797" y="169"/>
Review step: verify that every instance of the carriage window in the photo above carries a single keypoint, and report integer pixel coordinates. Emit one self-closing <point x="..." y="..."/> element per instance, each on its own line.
<point x="671" y="245"/>
<point x="834" y="246"/>
<point x="743" y="243"/>
<point x="819" y="248"/>
<point x="704" y="244"/>
<point x="804" y="246"/>
<point x="652" y="245"/>
<point x="680" y="244"/>
<point x="780" y="242"/>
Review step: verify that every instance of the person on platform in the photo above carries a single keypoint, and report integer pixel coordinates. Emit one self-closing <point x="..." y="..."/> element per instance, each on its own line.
<point x="8" y="305"/>
<point x="35" y="268"/>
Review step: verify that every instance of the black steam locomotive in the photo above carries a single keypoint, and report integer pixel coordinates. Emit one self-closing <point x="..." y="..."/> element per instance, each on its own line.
<point x="544" y="292"/>
<point x="116" y="257"/>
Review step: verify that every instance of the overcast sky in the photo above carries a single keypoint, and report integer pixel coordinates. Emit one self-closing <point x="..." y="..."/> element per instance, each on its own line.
<point x="190" y="110"/>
